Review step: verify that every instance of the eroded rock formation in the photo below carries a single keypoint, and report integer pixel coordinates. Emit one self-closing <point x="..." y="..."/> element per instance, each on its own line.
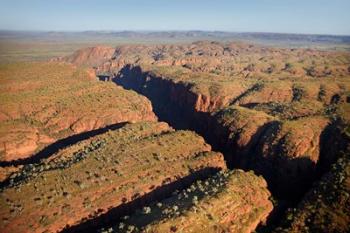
<point x="88" y="57"/>
<point x="42" y="103"/>
<point x="130" y="166"/>
<point x="230" y="201"/>
<point x="325" y="208"/>
<point x="283" y="113"/>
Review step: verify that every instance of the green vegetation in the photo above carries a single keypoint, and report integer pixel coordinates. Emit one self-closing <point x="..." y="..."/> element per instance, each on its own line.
<point x="298" y="93"/>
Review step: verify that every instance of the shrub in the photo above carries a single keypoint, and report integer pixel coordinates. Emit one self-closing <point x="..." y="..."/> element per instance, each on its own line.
<point x="146" y="210"/>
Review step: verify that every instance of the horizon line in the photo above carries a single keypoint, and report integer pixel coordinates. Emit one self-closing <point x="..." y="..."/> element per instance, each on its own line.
<point x="170" y="30"/>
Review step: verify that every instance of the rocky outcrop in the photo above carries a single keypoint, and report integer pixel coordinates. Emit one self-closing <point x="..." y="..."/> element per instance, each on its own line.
<point x="105" y="176"/>
<point x="269" y="110"/>
<point x="181" y="100"/>
<point x="286" y="153"/>
<point x="21" y="141"/>
<point x="88" y="57"/>
<point x="266" y="109"/>
<point x="45" y="102"/>
<point x="92" y="155"/>
<point x="238" y="59"/>
<point x="283" y="146"/>
<point x="230" y="201"/>
<point x="277" y="92"/>
<point x="238" y="131"/>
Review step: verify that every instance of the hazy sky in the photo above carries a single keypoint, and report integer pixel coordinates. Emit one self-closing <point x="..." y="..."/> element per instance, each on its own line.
<point x="301" y="16"/>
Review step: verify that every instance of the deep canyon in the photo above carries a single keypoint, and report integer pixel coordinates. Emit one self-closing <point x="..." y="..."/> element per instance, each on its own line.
<point x="231" y="136"/>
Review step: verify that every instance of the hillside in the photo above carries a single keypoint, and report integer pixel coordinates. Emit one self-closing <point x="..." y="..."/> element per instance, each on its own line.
<point x="128" y="166"/>
<point x="44" y="102"/>
<point x="266" y="109"/>
<point x="206" y="136"/>
<point x="230" y="201"/>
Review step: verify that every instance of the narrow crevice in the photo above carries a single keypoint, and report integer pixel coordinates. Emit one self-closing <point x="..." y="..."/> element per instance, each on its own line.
<point x="174" y="103"/>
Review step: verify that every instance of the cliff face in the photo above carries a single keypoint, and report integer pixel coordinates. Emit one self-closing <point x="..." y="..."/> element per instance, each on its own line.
<point x="325" y="208"/>
<point x="273" y="111"/>
<point x="287" y="153"/>
<point x="282" y="146"/>
<point x="189" y="93"/>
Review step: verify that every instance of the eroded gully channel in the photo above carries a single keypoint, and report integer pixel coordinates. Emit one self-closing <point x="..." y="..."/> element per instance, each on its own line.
<point x="174" y="103"/>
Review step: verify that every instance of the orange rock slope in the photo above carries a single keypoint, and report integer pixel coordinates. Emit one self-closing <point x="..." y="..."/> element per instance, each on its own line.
<point x="89" y="57"/>
<point x="296" y="96"/>
<point x="230" y="201"/>
<point x="129" y="166"/>
<point x="44" y="102"/>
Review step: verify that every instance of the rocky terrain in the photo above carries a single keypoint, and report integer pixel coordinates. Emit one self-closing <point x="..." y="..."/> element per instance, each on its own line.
<point x="89" y="57"/>
<point x="281" y="112"/>
<point x="325" y="208"/>
<point x="128" y="166"/>
<point x="267" y="109"/>
<point x="42" y="103"/>
<point x="230" y="201"/>
<point x="43" y="45"/>
<point x="93" y="157"/>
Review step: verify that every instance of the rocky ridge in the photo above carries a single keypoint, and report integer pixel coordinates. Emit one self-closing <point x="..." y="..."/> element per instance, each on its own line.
<point x="104" y="174"/>
<point x="280" y="112"/>
<point x="46" y="102"/>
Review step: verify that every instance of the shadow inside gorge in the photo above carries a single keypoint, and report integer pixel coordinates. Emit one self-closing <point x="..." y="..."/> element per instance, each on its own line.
<point x="178" y="112"/>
